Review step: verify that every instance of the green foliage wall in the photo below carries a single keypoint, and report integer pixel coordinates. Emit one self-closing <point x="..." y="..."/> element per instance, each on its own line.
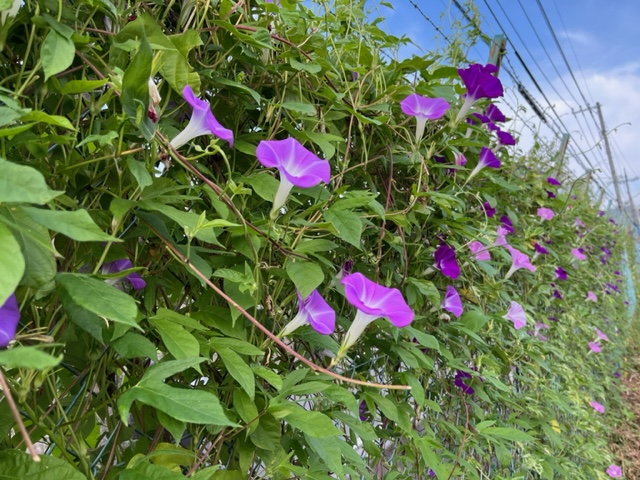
<point x="185" y="377"/>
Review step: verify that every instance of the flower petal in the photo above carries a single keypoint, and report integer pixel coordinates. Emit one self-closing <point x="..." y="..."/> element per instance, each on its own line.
<point x="9" y="319"/>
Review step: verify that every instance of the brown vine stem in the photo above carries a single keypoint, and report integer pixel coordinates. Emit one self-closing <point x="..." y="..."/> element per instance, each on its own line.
<point x="18" y="418"/>
<point x="266" y="331"/>
<point x="464" y="438"/>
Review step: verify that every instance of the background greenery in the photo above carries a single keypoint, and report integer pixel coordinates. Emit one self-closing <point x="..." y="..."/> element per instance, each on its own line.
<point x="178" y="378"/>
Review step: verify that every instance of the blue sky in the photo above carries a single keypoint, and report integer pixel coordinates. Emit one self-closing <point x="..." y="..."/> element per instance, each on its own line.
<point x="600" y="41"/>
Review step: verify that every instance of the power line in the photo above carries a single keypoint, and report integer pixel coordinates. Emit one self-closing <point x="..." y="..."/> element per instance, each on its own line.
<point x="424" y="15"/>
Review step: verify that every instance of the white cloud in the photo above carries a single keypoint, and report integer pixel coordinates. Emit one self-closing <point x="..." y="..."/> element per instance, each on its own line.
<point x="575" y="36"/>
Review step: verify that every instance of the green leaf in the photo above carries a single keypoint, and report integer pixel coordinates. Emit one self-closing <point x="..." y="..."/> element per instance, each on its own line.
<point x="102" y="140"/>
<point x="20" y="183"/>
<point x="179" y="342"/>
<point x="42" y="117"/>
<point x="269" y="375"/>
<point x="264" y="185"/>
<point x="315" y="246"/>
<point x="135" y="90"/>
<point x="149" y="471"/>
<point x="238" y="346"/>
<point x="17" y="465"/>
<point x="139" y="172"/>
<point x="246" y="409"/>
<point x="306" y="108"/>
<point x="12" y="263"/>
<point x="187" y="220"/>
<point x="177" y="71"/>
<point x="314" y="424"/>
<point x="134" y="345"/>
<point x="56" y="54"/>
<point x="239" y="370"/>
<point x="28" y="357"/>
<point x="77" y="225"/>
<point x="347" y="224"/>
<point x="10" y="111"/>
<point x="35" y="244"/>
<point x="74" y="87"/>
<point x="238" y="86"/>
<point x="512" y="434"/>
<point x="100" y="298"/>
<point x="183" y="404"/>
<point x="306" y="276"/>
<point x="306" y="67"/>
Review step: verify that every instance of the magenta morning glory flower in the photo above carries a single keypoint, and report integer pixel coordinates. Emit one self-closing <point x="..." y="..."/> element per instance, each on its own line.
<point x="479" y="251"/>
<point x="480" y="83"/>
<point x="501" y="236"/>
<point x="452" y="302"/>
<point x="423" y="108"/>
<point x="540" y="249"/>
<point x="553" y="181"/>
<point x="202" y="122"/>
<point x="460" y="159"/>
<point x="487" y="159"/>
<point x="446" y="262"/>
<point x="315" y="311"/>
<point x="578" y="253"/>
<point x="614" y="471"/>
<point x="516" y="315"/>
<point x="545" y="213"/>
<point x="488" y="209"/>
<point x="9" y="318"/>
<point x="373" y="301"/>
<point x="518" y="260"/>
<point x="592" y="296"/>
<point x="494" y="114"/>
<point x="601" y="335"/>
<point x="117" y="266"/>
<point x="297" y="166"/>
<point x="594" y="347"/>
<point x="598" y="407"/>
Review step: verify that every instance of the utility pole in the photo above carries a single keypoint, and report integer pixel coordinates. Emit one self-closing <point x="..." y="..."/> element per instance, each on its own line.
<point x="608" y="149"/>
<point x="636" y="217"/>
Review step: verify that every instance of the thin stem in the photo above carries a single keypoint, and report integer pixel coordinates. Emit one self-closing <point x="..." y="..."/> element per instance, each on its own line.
<point x="265" y="330"/>
<point x="18" y="418"/>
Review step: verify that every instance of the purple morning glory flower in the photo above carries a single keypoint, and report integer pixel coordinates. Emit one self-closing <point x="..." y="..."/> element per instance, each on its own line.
<point x="315" y="311"/>
<point x="540" y="249"/>
<point x="516" y="315"/>
<point x="460" y="159"/>
<point x="116" y="266"/>
<point x="423" y="109"/>
<point x="372" y="301"/>
<point x="557" y="294"/>
<point x="479" y="251"/>
<point x="601" y="213"/>
<point x="477" y="118"/>
<point x="614" y="471"/>
<point x="505" y="138"/>
<point x="553" y="181"/>
<point x="446" y="262"/>
<point x="494" y="114"/>
<point x="9" y="318"/>
<point x="617" y="374"/>
<point x="363" y="411"/>
<point x="432" y="473"/>
<point x="507" y="224"/>
<point x="594" y="347"/>
<point x="550" y="194"/>
<point x="591" y="296"/>
<point x="501" y="238"/>
<point x="452" y="302"/>
<point x="487" y="159"/>
<point x="459" y="382"/>
<point x="601" y="335"/>
<point x="578" y="253"/>
<point x="480" y="83"/>
<point x="202" y="122"/>
<point x="561" y="273"/>
<point x="488" y="209"/>
<point x="297" y="166"/>
<point x="597" y="407"/>
<point x="518" y="260"/>
<point x="545" y="213"/>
